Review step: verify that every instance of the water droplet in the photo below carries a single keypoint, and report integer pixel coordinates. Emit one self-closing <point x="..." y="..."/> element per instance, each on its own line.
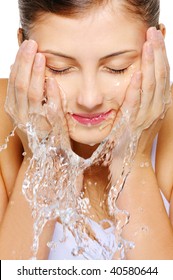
<point x="144" y="229"/>
<point x="89" y="125"/>
<point x="147" y="164"/>
<point x="4" y="146"/>
<point x="92" y="144"/>
<point x="142" y="164"/>
<point x="52" y="245"/>
<point x="11" y="202"/>
<point x="141" y="209"/>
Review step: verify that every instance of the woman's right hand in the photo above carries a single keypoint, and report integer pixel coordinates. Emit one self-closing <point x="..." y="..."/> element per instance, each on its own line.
<point x="26" y="100"/>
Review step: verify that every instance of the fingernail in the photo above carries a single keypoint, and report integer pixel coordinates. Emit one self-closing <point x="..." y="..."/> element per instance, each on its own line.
<point x="152" y="34"/>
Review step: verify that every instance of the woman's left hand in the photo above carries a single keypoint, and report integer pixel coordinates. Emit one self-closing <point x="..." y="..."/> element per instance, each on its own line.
<point x="148" y="95"/>
<point x="147" y="99"/>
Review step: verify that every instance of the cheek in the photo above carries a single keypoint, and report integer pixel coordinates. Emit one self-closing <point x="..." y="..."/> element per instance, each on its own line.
<point x="114" y="87"/>
<point x="66" y="84"/>
<point x="125" y="80"/>
<point x="68" y="87"/>
<point x="111" y="86"/>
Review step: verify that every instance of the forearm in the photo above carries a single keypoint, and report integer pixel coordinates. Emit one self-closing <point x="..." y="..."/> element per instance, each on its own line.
<point x="3" y="198"/>
<point x="149" y="226"/>
<point x="16" y="232"/>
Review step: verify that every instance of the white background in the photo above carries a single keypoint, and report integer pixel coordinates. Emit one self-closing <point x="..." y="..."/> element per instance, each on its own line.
<point x="9" y="23"/>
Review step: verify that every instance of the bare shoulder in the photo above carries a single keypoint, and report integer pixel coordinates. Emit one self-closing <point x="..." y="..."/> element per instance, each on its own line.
<point x="3" y="90"/>
<point x="164" y="158"/>
<point x="3" y="83"/>
<point x="6" y="123"/>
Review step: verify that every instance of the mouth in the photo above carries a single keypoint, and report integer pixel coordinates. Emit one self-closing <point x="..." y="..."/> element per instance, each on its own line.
<point x="91" y="119"/>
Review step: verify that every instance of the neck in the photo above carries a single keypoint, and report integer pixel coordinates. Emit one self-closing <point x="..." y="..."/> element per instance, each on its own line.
<point x="83" y="150"/>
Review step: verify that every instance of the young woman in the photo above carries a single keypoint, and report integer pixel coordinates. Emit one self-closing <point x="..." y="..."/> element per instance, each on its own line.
<point x="81" y="69"/>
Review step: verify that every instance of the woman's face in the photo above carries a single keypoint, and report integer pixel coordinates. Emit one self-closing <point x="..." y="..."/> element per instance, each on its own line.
<point x="93" y="59"/>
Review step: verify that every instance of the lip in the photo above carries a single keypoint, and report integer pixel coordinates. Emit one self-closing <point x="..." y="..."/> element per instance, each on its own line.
<point x="91" y="119"/>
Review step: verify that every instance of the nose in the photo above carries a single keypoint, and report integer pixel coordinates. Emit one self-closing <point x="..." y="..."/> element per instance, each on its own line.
<point x="90" y="95"/>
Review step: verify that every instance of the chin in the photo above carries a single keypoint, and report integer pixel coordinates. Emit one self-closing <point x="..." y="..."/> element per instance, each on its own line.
<point x="90" y="136"/>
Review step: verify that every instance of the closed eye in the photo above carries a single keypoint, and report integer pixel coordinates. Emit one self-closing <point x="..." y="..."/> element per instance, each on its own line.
<point x="69" y="69"/>
<point x="59" y="71"/>
<point x="116" y="71"/>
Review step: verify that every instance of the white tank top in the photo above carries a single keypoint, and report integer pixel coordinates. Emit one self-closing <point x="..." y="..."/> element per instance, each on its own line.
<point x="63" y="250"/>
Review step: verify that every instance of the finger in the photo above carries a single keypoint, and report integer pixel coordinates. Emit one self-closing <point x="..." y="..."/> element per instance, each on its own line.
<point x="148" y="74"/>
<point x="15" y="65"/>
<point x="126" y="115"/>
<point x="160" y="68"/>
<point x="55" y="113"/>
<point x="23" y="76"/>
<point x="132" y="101"/>
<point x="167" y="88"/>
<point x="162" y="42"/>
<point x="54" y="105"/>
<point x="36" y="87"/>
<point x="148" y="84"/>
<point x="10" y="104"/>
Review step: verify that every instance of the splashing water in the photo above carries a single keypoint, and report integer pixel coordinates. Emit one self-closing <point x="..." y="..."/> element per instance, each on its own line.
<point x="53" y="183"/>
<point x="54" y="179"/>
<point x="4" y="146"/>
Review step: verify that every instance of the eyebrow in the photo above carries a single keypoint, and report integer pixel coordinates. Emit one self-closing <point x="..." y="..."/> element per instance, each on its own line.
<point x="72" y="58"/>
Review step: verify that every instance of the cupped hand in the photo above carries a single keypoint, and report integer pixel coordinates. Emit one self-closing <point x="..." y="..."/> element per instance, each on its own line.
<point x="30" y="98"/>
<point x="139" y="119"/>
<point x="53" y="179"/>
<point x="148" y="96"/>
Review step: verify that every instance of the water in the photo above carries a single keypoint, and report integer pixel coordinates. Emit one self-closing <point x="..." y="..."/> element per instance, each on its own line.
<point x="4" y="146"/>
<point x="54" y="180"/>
<point x="53" y="183"/>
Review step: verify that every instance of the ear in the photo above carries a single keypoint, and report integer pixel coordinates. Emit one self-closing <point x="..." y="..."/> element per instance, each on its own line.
<point x="162" y="28"/>
<point x="20" y="36"/>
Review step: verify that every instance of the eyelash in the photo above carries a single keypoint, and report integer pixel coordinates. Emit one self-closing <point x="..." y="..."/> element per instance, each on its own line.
<point x="67" y="70"/>
<point x="113" y="71"/>
<point x="59" y="72"/>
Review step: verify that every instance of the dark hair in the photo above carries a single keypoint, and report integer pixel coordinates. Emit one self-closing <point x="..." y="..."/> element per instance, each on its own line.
<point x="147" y="10"/>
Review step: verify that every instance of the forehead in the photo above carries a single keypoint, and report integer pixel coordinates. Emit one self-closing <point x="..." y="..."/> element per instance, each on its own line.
<point x="106" y="25"/>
